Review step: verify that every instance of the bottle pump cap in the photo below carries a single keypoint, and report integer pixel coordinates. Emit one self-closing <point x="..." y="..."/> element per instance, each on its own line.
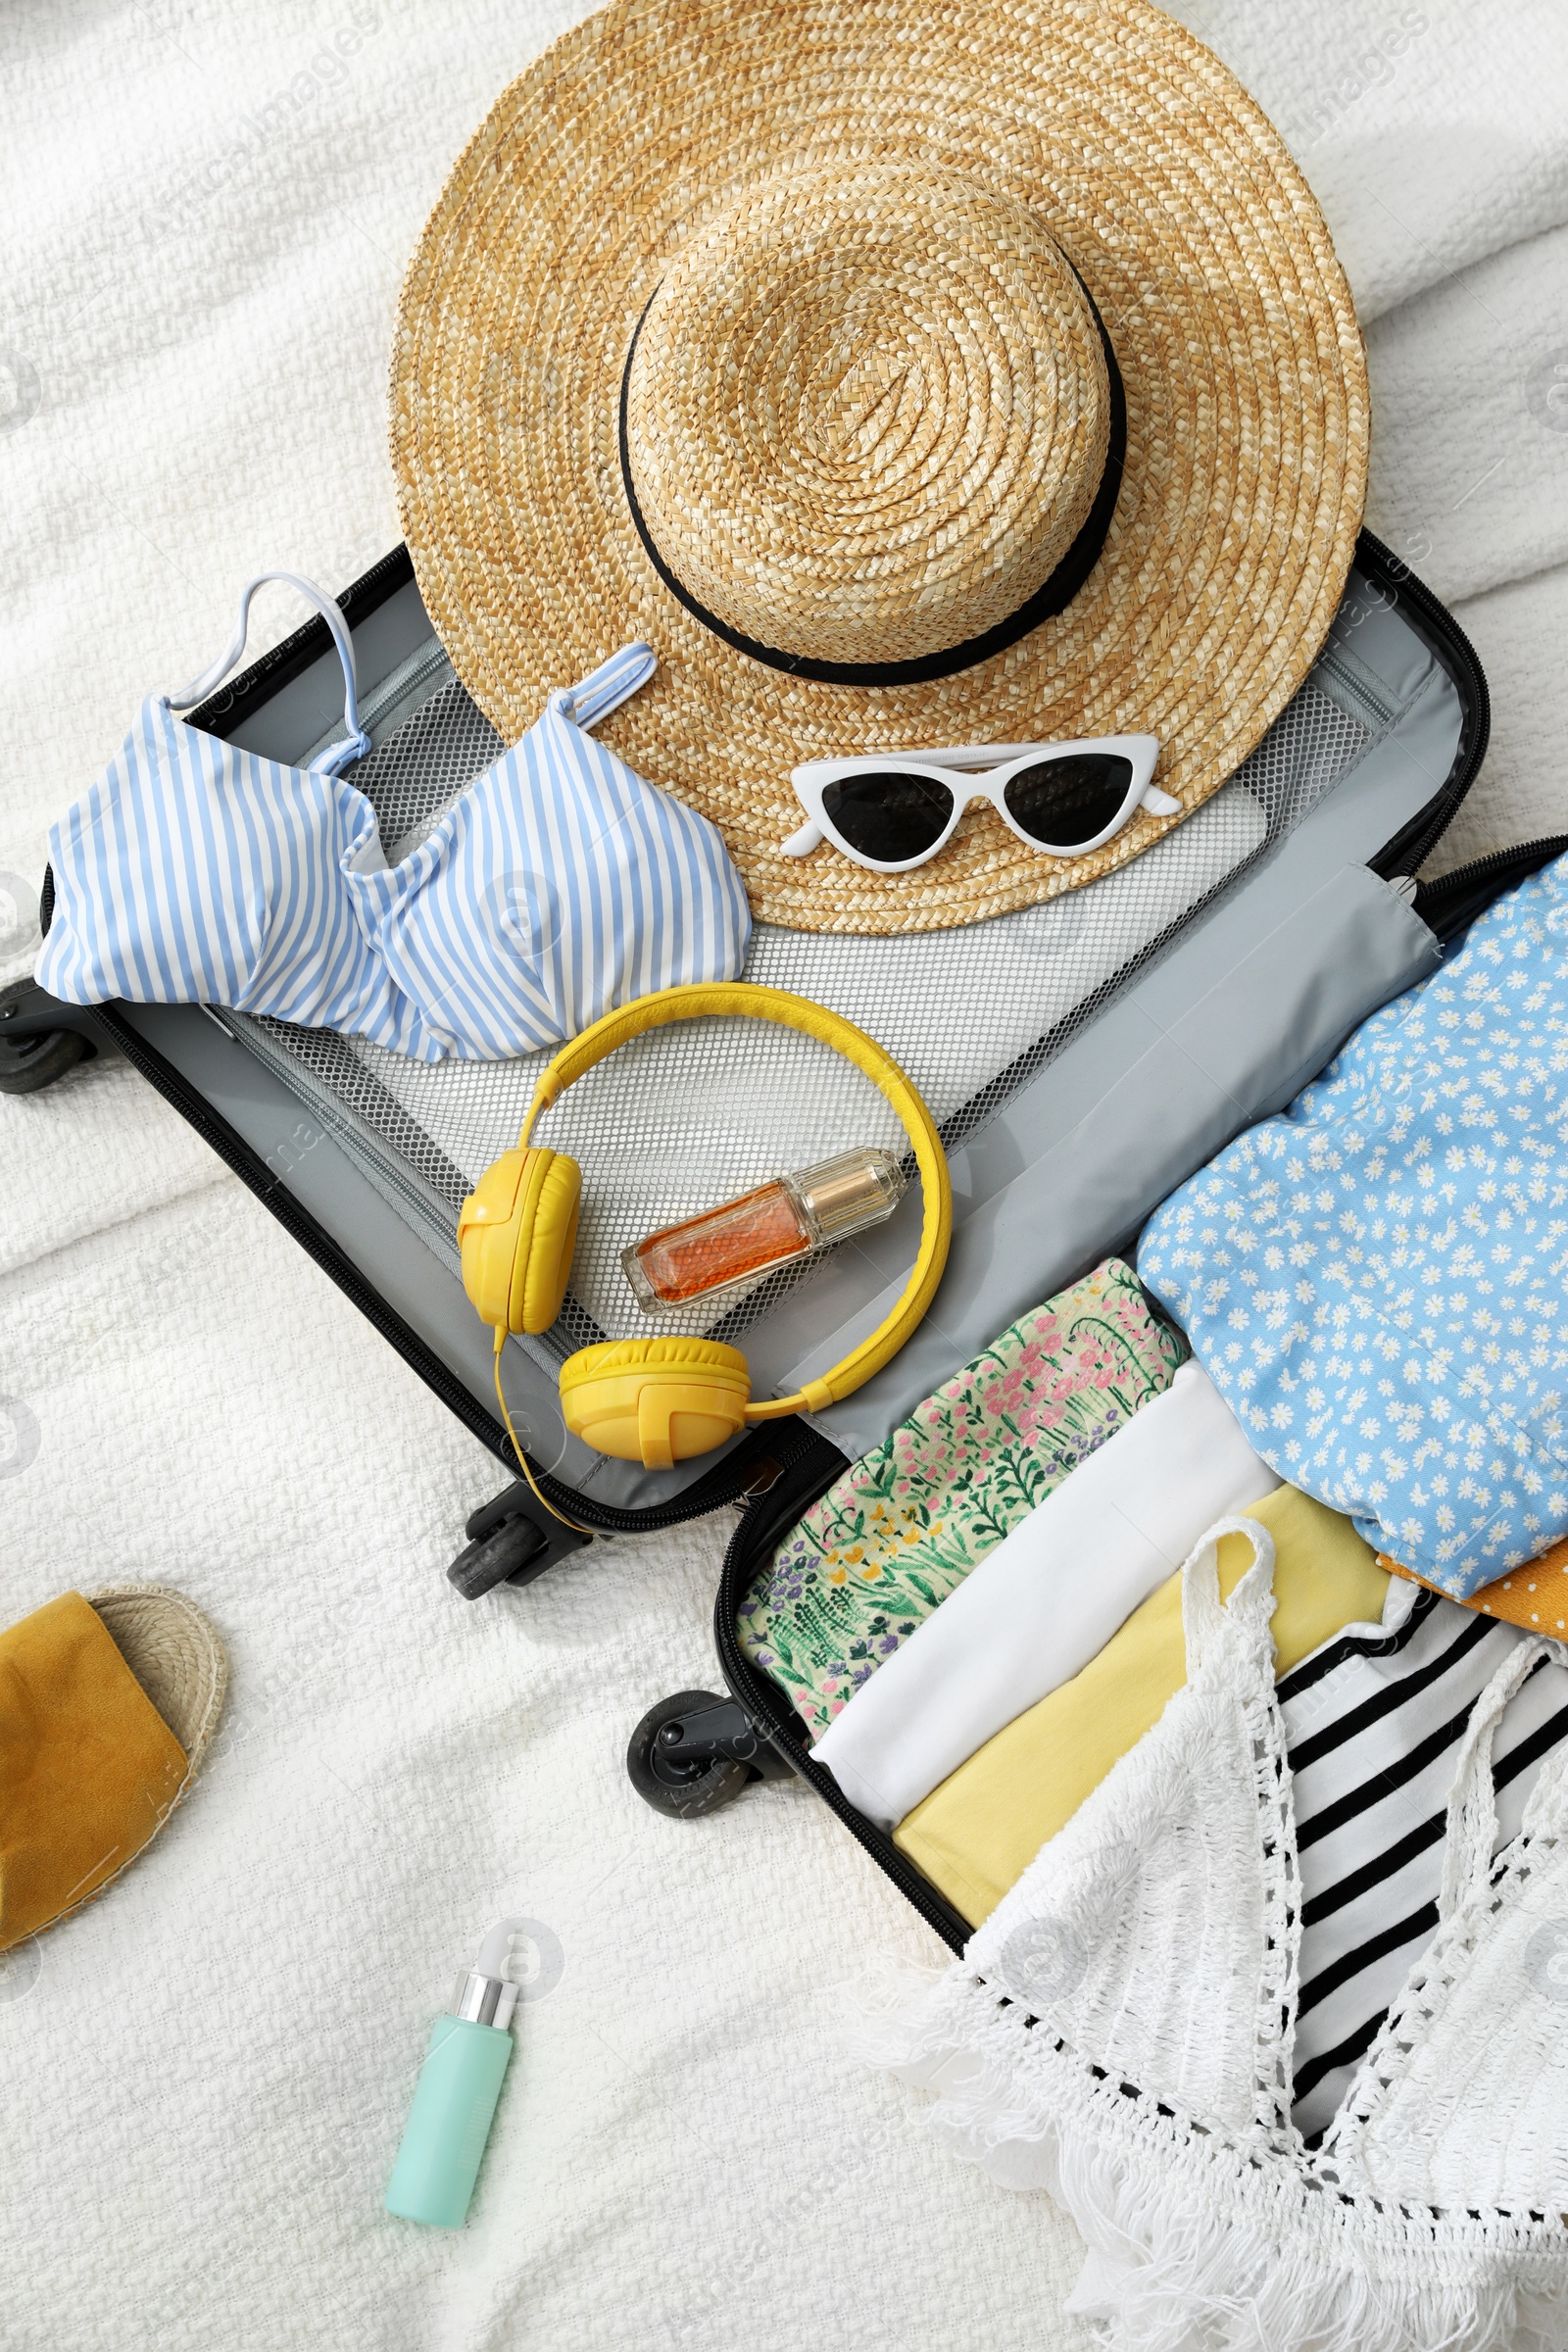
<point x="485" y="1994"/>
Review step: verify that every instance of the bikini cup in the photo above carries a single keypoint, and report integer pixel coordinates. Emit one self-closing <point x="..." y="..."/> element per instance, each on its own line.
<point x="559" y="885"/>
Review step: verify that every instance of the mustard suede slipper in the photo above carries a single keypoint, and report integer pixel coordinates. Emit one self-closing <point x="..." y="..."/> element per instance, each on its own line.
<point x="107" y="1705"/>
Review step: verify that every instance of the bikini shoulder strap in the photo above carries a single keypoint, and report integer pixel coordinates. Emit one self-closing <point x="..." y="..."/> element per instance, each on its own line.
<point x="354" y="741"/>
<point x="605" y="688"/>
<point x="1242" y="1624"/>
<point x="1472" y="1828"/>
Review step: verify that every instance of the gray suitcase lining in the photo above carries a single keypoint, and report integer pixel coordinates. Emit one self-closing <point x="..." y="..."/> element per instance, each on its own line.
<point x="1081" y="1057"/>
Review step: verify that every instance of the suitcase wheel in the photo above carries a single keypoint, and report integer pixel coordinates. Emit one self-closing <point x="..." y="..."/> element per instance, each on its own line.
<point x="30" y="1064"/>
<point x="508" y="1543"/>
<point x="502" y="1552"/>
<point x="684" y="1786"/>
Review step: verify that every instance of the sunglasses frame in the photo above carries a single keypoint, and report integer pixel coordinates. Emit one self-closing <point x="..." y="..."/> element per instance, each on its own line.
<point x="987" y="769"/>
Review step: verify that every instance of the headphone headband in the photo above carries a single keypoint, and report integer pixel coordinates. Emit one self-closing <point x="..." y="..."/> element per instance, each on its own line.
<point x="738" y="999"/>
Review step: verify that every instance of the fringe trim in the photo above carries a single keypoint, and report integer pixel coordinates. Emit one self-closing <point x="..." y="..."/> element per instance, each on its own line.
<point x="1175" y="2262"/>
<point x="1164" y="2276"/>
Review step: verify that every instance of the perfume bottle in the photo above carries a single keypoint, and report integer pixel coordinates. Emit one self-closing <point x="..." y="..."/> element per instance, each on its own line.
<point x="763" y="1230"/>
<point x="458" y="2084"/>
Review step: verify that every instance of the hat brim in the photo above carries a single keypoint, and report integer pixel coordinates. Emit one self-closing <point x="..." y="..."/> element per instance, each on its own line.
<point x="1211" y="268"/>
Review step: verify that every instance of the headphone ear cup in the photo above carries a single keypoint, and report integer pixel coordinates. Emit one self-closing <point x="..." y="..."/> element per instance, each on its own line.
<point x="657" y="1401"/>
<point x="516" y="1233"/>
<point x="542" y="1267"/>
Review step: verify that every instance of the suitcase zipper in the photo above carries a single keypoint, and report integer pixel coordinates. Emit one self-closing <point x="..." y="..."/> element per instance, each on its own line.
<point x="404" y="681"/>
<point x="1358" y="690"/>
<point x="776" y="1443"/>
<point x="409" y="675"/>
<point x="1451" y="904"/>
<point x="767" y="1518"/>
<point x="1411" y="847"/>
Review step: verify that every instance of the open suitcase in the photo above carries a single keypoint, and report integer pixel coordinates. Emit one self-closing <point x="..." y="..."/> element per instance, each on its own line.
<point x="1081" y="1058"/>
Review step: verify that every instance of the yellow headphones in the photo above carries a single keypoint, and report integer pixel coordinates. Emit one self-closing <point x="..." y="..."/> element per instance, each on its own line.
<point x="658" y="1400"/>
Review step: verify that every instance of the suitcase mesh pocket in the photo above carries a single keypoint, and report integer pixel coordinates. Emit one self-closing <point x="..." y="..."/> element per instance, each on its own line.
<point x="688" y="1117"/>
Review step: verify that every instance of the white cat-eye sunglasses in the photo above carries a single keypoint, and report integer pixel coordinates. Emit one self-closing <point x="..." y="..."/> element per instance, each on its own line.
<point x="892" y="811"/>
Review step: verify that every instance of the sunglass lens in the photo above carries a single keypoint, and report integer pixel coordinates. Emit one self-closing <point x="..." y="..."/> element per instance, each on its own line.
<point x="887" y="817"/>
<point x="1060" y="802"/>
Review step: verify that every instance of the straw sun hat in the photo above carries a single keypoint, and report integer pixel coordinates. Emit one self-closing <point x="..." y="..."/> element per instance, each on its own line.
<point x="908" y="372"/>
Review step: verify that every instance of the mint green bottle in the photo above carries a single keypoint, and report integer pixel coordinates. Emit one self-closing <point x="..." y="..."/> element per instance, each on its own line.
<point x="454" y="2097"/>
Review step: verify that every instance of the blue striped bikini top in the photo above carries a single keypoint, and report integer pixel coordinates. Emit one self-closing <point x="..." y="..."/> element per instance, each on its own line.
<point x="558" y="887"/>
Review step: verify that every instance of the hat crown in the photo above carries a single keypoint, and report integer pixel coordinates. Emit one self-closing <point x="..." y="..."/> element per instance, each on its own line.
<point x="852" y="401"/>
<point x="867" y="412"/>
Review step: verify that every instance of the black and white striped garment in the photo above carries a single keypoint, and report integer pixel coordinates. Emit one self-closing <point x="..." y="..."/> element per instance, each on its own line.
<point x="1373" y="1721"/>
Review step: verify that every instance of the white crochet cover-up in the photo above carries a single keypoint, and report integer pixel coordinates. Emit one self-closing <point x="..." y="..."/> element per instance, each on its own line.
<point x="1119" y="2032"/>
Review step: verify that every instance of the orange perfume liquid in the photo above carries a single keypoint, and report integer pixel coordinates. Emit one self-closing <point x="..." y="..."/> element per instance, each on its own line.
<point x="769" y="1227"/>
<point x="706" y="1254"/>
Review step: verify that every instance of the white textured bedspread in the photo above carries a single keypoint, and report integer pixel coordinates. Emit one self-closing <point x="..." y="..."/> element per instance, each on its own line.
<point x="207" y="209"/>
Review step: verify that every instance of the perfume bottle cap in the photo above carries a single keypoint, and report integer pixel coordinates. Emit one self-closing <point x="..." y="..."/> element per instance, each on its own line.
<point x="849" y="1190"/>
<point x="485" y="1994"/>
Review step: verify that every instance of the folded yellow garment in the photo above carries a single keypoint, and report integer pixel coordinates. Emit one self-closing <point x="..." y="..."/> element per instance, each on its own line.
<point x="89" y="1767"/>
<point x="978" y="1833"/>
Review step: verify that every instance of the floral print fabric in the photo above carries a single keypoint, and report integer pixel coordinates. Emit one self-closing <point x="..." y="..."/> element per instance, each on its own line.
<point x="1375" y="1279"/>
<point x="909" y="1520"/>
